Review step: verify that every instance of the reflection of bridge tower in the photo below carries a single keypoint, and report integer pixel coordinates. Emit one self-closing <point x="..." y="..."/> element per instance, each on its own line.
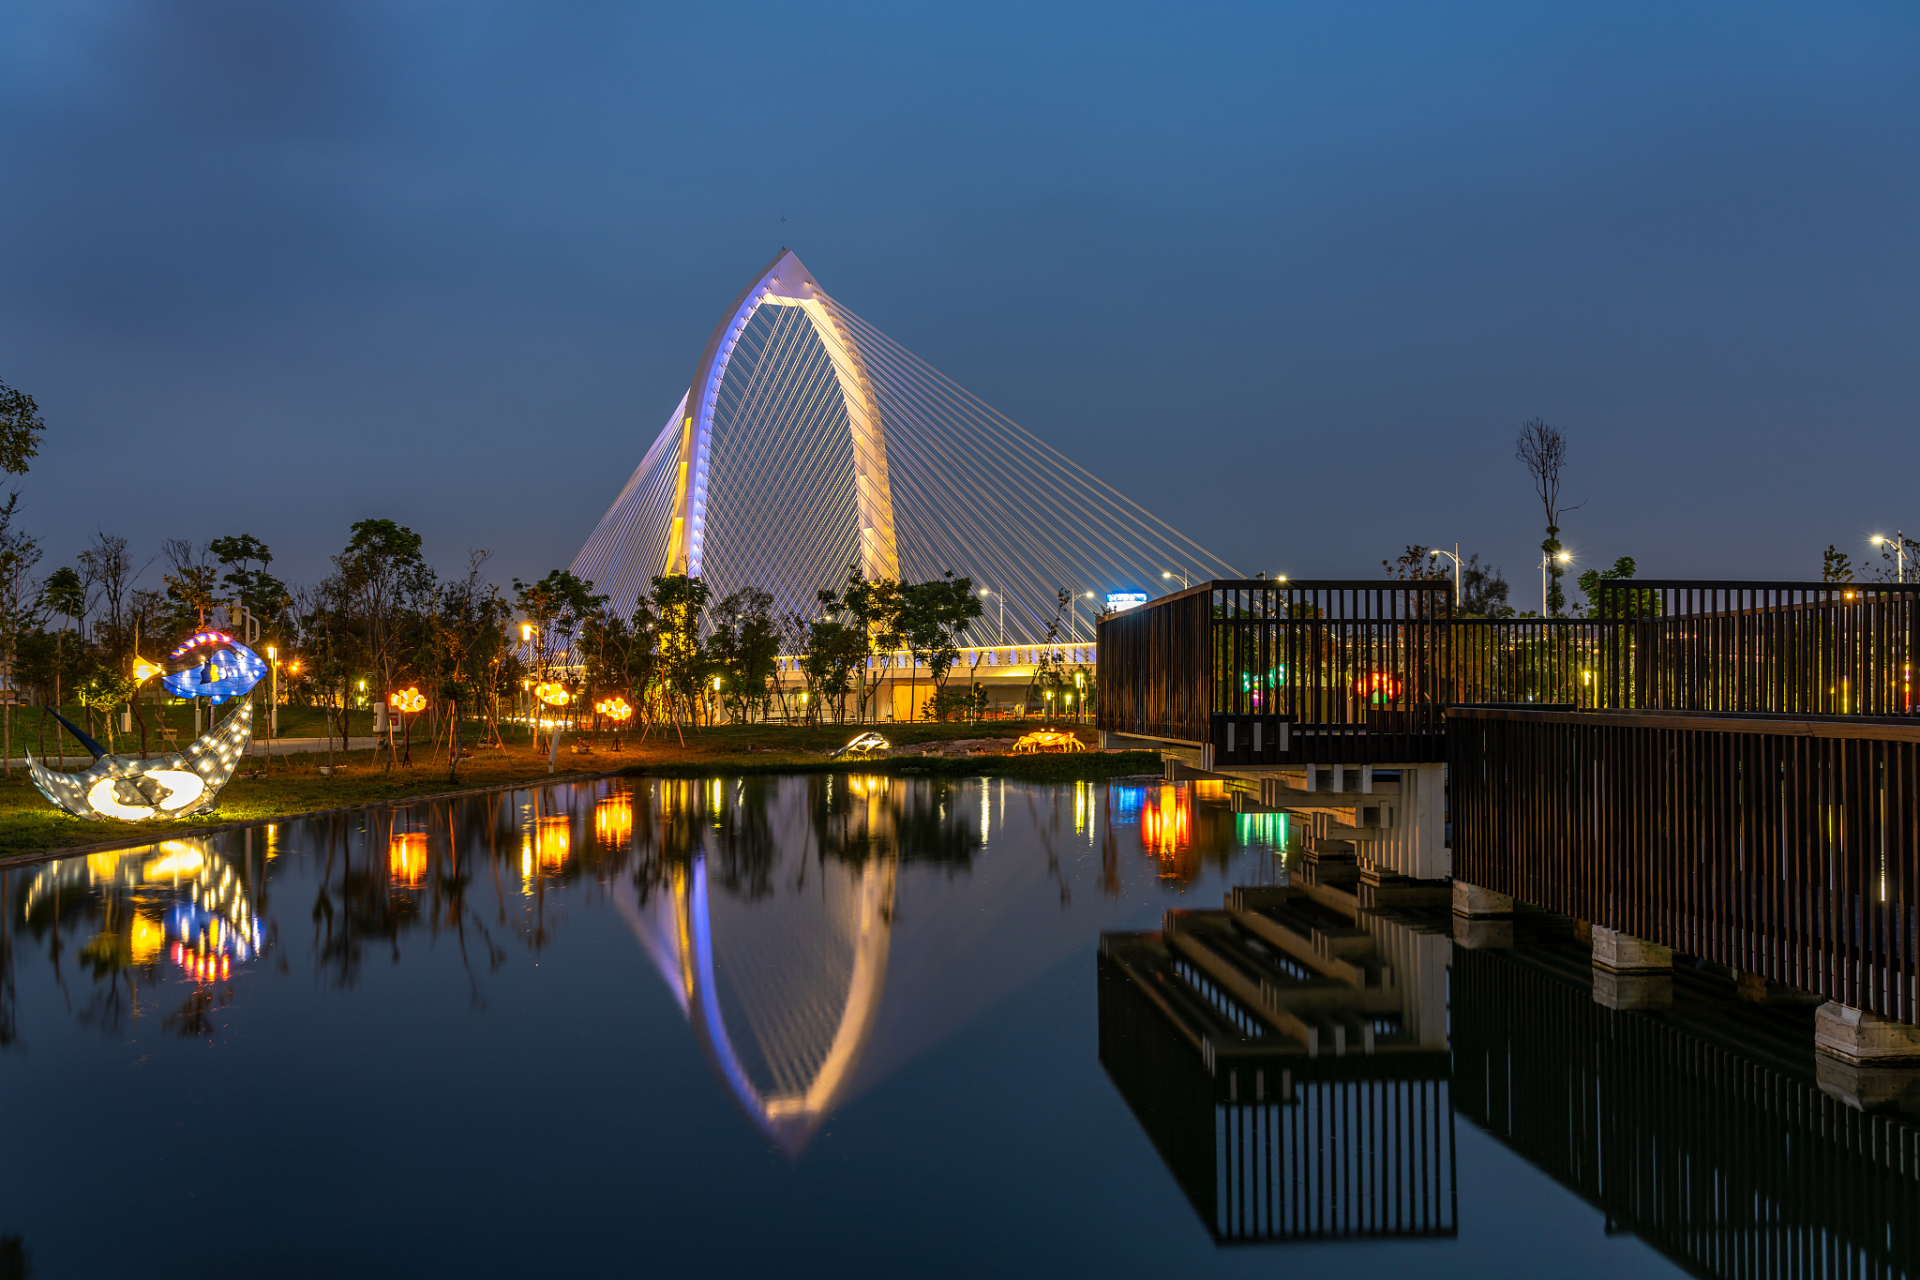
<point x="1288" y="1057"/>
<point x="802" y="984"/>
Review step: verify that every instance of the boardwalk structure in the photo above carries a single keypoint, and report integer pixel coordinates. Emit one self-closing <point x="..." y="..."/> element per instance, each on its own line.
<point x="1730" y="771"/>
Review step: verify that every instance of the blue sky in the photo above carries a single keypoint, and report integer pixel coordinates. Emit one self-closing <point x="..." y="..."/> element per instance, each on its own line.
<point x="1291" y="276"/>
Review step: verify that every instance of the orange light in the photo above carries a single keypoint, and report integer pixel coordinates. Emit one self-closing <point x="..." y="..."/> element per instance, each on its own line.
<point x="1380" y="686"/>
<point x="1166" y="828"/>
<point x="614" y="708"/>
<point x="613" y="820"/>
<point x="407" y="858"/>
<point x="408" y="700"/>
<point x="553" y="693"/>
<point x="552" y="842"/>
<point x="144" y="670"/>
<point x="1047" y="740"/>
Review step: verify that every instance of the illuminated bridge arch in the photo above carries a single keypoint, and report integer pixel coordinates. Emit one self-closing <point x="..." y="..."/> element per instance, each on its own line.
<point x="809" y="440"/>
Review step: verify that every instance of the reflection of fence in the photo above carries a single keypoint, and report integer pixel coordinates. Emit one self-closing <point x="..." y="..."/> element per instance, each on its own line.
<point x="1722" y="1160"/>
<point x="1783" y="847"/>
<point x="1320" y="1148"/>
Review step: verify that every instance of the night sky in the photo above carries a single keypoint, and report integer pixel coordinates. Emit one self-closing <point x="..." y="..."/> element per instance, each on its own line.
<point x="1291" y="276"/>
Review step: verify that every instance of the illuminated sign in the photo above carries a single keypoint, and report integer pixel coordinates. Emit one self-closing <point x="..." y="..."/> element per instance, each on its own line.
<point x="1121" y="601"/>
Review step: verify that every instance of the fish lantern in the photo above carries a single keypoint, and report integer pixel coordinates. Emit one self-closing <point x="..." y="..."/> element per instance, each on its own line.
<point x="553" y="693"/>
<point x="410" y="701"/>
<point x="212" y="665"/>
<point x="614" y="709"/>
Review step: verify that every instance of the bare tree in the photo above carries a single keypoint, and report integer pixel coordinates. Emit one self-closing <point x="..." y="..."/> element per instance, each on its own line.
<point x="1542" y="449"/>
<point x="105" y="564"/>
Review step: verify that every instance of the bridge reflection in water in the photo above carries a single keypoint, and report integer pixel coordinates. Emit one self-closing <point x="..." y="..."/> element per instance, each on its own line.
<point x="1287" y="1056"/>
<point x="1708" y="1128"/>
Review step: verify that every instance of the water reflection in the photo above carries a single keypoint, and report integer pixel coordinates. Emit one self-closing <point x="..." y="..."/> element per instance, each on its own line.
<point x="1297" y="1062"/>
<point x="1288" y="1057"/>
<point x="1711" y="1130"/>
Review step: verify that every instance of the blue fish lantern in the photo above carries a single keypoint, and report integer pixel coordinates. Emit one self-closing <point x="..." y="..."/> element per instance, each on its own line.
<point x="212" y="665"/>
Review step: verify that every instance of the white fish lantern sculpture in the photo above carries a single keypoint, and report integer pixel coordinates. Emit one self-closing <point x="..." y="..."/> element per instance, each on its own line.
<point x="214" y="666"/>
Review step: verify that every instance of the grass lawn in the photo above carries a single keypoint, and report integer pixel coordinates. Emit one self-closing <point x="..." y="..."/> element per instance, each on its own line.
<point x="30" y="825"/>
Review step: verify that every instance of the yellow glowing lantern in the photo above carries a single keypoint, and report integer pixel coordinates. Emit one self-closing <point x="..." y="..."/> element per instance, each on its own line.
<point x="144" y="671"/>
<point x="553" y="693"/>
<point x="614" y="708"/>
<point x="408" y="700"/>
<point x="407" y="857"/>
<point x="1047" y="740"/>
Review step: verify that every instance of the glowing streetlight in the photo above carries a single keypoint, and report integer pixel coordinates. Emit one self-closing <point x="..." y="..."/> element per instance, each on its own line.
<point x="1565" y="557"/>
<point x="1184" y="584"/>
<point x="1899" y="541"/>
<point x="1453" y="555"/>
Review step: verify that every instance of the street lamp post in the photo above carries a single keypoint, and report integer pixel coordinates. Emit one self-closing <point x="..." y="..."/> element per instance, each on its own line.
<point x="1899" y="541"/>
<point x="1454" y="555"/>
<point x="1565" y="557"/>
<point x="1073" y="607"/>
<point x="1184" y="584"/>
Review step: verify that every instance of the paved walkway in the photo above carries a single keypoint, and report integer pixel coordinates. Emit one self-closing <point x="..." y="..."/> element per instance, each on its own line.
<point x="280" y="746"/>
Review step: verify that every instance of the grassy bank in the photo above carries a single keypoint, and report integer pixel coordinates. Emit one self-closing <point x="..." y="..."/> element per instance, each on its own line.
<point x="291" y="786"/>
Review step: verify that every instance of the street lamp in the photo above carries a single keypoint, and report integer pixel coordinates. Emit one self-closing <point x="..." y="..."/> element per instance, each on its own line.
<point x="1073" y="613"/>
<point x="1899" y="541"/>
<point x="1184" y="584"/>
<point x="1453" y="555"/>
<point x="273" y="695"/>
<point x="1565" y="557"/>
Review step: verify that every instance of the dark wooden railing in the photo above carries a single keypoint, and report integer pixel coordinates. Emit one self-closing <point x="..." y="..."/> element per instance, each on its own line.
<point x="1783" y="846"/>
<point x="1336" y="672"/>
<point x="1818" y="648"/>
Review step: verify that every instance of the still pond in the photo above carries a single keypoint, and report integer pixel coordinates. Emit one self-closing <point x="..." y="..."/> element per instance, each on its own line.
<point x="854" y="1025"/>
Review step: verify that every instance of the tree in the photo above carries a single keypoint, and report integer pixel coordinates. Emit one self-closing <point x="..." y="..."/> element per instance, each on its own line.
<point x="256" y="590"/>
<point x="743" y="646"/>
<point x="19" y="553"/>
<point x="1635" y="603"/>
<point x="1483" y="590"/>
<point x="555" y="606"/>
<point x="678" y="601"/>
<point x="1543" y="451"/>
<point x="21" y="429"/>
<point x="874" y="606"/>
<point x="382" y="574"/>
<point x="105" y="564"/>
<point x="192" y="587"/>
<point x="63" y="593"/>
<point x="931" y="619"/>
<point x="1836" y="565"/>
<point x="468" y="631"/>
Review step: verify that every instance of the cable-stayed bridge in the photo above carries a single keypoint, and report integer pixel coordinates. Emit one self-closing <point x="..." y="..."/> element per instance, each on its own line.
<point x="808" y="441"/>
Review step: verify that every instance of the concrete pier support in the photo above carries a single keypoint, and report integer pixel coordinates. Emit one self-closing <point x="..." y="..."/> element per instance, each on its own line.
<point x="1624" y="953"/>
<point x="1630" y="972"/>
<point x="1859" y="1037"/>
<point x="1471" y="900"/>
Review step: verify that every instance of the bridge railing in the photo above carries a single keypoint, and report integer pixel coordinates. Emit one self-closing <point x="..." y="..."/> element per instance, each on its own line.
<point x="1822" y="648"/>
<point x="1777" y="845"/>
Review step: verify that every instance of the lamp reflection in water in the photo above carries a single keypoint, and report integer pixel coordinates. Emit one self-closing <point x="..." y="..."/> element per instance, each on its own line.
<point x="407" y="858"/>
<point x="613" y="820"/>
<point x="547" y="846"/>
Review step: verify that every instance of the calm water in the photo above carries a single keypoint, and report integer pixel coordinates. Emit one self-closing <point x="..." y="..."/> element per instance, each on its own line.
<point x="858" y="1026"/>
